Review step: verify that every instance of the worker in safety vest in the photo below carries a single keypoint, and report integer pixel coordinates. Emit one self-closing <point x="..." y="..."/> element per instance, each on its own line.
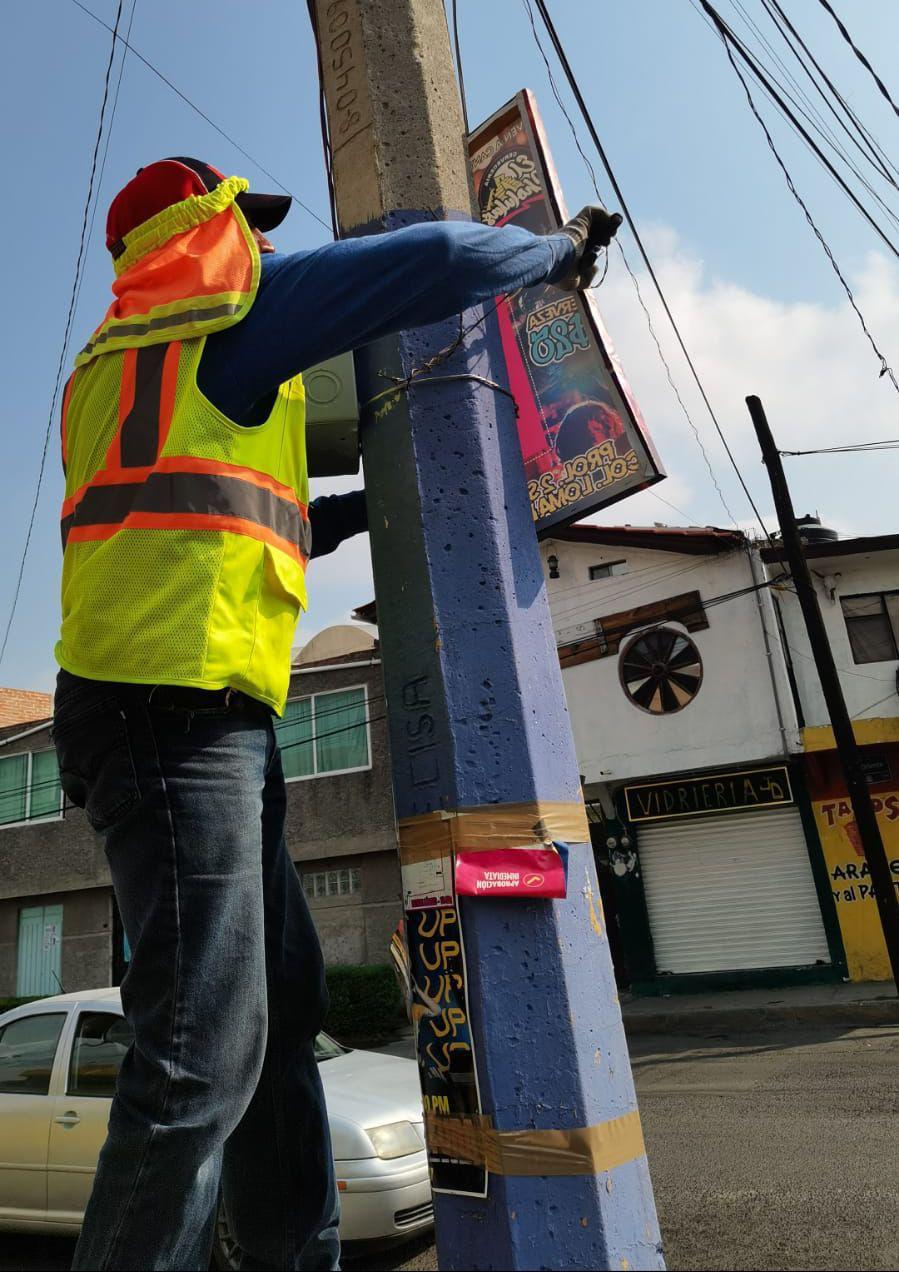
<point x="186" y="529"/>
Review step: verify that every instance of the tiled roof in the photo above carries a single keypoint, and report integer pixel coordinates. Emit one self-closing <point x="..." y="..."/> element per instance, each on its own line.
<point x="24" y="706"/>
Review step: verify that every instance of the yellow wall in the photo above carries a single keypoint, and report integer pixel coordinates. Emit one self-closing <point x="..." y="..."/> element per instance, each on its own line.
<point x="866" y="954"/>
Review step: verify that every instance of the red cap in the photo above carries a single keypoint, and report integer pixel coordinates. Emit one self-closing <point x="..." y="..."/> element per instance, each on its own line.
<point x="170" y="181"/>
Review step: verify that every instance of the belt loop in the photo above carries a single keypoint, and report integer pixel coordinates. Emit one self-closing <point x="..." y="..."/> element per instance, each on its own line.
<point x="229" y="694"/>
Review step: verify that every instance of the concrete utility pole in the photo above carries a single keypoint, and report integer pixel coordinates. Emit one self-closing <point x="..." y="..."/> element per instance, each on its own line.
<point x="844" y="737"/>
<point x="475" y="699"/>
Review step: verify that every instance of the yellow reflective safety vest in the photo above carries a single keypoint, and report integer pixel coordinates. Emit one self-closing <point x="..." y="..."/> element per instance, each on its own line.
<point x="185" y="536"/>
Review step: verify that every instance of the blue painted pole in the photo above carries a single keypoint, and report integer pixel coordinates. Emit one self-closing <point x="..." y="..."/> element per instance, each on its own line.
<point x="476" y="706"/>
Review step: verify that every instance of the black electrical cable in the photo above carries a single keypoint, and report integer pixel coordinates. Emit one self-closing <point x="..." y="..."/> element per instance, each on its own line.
<point x="859" y="54"/>
<point x="779" y="17"/>
<point x="812" y="116"/>
<point x="112" y="113"/>
<point x="66" y="333"/>
<point x="211" y="122"/>
<point x="591" y="127"/>
<point x="730" y="43"/>
<point x="458" y="52"/>
<point x="323" y="121"/>
<point x="733" y="42"/>
<point x="868" y="145"/>
<point x="286" y="746"/>
<point x="285" y="722"/>
<point x="700" y="607"/>
<point x="631" y="274"/>
<point x="889" y="443"/>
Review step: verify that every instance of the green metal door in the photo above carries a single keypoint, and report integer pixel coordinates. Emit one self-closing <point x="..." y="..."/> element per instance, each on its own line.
<point x="40" y="947"/>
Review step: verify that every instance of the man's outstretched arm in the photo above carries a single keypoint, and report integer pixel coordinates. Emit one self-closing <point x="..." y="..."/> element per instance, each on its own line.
<point x="313" y="305"/>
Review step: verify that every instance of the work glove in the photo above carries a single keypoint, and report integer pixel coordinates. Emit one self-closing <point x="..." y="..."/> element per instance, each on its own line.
<point x="592" y="229"/>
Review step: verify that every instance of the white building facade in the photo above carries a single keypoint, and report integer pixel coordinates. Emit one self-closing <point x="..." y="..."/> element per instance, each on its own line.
<point x="690" y="745"/>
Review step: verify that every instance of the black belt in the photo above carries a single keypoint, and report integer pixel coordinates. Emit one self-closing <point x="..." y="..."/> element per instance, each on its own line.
<point x="166" y="697"/>
<point x="184" y="698"/>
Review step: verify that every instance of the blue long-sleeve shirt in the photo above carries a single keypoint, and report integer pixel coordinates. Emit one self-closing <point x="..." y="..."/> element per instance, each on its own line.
<point x="315" y="304"/>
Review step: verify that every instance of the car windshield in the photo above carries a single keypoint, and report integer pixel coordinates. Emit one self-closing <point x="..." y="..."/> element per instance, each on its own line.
<point x="327" y="1049"/>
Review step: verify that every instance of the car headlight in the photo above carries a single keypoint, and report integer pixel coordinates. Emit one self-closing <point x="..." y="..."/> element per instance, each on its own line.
<point x="397" y="1139"/>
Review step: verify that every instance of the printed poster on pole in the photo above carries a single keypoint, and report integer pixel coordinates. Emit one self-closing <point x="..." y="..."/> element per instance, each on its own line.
<point x="443" y="1037"/>
<point x="583" y="439"/>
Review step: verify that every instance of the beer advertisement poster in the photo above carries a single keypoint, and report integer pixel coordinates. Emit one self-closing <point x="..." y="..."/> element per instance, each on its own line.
<point x="583" y="440"/>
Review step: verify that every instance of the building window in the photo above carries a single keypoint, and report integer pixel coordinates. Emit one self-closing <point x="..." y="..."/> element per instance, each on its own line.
<point x="29" y="787"/>
<point x="872" y="623"/>
<point x="607" y="571"/>
<point x="325" y="733"/>
<point x="332" y="883"/>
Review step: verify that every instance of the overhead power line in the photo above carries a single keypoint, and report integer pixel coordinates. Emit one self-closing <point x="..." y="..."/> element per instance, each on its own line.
<point x="633" y="277"/>
<point x="868" y="144"/>
<point x="66" y="333"/>
<point x="591" y="128"/>
<point x="809" y="112"/>
<point x="888" y="443"/>
<point x="112" y="113"/>
<point x="813" y="112"/>
<point x="732" y="44"/>
<point x="859" y="54"/>
<point x="457" y="50"/>
<point x="211" y="122"/>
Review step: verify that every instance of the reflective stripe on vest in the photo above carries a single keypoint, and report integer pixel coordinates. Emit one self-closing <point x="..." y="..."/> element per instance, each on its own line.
<point x="166" y="322"/>
<point x="138" y="489"/>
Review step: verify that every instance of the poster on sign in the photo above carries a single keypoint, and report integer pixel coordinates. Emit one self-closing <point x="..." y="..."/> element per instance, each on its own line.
<point x="582" y="437"/>
<point x="443" y="1037"/>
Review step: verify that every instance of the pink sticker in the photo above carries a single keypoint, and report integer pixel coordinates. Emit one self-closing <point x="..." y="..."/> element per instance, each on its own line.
<point x="510" y="872"/>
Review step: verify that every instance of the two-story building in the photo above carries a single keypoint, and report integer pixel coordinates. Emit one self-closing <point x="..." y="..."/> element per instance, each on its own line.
<point x="59" y="925"/>
<point x="689" y="747"/>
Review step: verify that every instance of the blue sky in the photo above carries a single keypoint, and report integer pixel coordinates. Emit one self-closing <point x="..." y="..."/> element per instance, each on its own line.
<point x="759" y="306"/>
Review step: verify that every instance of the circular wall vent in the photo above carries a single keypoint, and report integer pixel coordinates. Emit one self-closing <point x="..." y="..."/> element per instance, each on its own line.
<point x="660" y="670"/>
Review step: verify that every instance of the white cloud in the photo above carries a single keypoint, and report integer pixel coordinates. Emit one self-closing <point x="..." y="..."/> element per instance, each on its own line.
<point x="809" y="363"/>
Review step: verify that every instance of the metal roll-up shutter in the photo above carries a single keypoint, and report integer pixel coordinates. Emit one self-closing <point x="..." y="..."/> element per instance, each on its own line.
<point x="731" y="892"/>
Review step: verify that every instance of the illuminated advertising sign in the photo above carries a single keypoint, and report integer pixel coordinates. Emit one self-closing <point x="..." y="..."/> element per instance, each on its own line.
<point x="582" y="437"/>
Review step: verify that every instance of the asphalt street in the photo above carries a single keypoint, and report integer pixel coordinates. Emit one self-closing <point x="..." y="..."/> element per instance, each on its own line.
<point x="771" y="1151"/>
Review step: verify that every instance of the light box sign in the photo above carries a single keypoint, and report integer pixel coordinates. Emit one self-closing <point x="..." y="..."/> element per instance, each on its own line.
<point x="582" y="437"/>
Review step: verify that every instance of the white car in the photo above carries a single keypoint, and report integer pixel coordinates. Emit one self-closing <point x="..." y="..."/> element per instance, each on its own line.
<point x="58" y="1063"/>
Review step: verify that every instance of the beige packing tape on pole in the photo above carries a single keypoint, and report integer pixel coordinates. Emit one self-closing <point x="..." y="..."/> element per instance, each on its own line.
<point x="430" y="836"/>
<point x="583" y="1150"/>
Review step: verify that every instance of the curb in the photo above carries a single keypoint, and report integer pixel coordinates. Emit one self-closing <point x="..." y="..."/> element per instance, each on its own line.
<point x="738" y="1019"/>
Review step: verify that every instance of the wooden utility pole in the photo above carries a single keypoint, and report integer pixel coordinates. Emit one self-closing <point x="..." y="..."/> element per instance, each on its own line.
<point x="480" y="738"/>
<point x="844" y="736"/>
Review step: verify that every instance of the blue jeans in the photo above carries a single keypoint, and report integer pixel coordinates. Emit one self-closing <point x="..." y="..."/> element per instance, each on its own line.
<point x="225" y="991"/>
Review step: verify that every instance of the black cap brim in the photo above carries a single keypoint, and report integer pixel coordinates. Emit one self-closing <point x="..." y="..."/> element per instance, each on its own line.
<point x="264" y="211"/>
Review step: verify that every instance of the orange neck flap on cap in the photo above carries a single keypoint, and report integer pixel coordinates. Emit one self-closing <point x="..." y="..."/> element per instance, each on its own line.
<point x="189" y="271"/>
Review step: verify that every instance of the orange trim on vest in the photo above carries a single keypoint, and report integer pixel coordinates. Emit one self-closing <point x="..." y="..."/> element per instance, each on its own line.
<point x="113" y="459"/>
<point x="167" y="394"/>
<point x="187" y="521"/>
